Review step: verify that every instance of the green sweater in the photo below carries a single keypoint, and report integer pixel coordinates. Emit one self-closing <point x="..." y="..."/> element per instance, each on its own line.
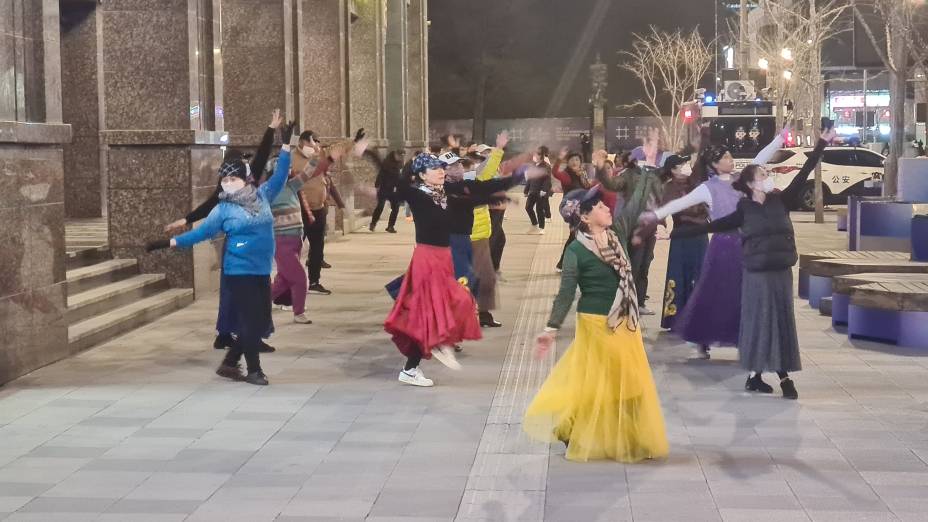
<point x="597" y="280"/>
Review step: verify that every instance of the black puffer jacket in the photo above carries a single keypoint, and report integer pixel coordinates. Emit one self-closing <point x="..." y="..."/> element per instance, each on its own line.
<point x="767" y="238"/>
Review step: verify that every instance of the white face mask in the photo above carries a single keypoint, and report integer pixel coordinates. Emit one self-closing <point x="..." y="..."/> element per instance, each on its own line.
<point x="767" y="186"/>
<point x="470" y="175"/>
<point x="307" y="151"/>
<point x="686" y="170"/>
<point x="231" y="185"/>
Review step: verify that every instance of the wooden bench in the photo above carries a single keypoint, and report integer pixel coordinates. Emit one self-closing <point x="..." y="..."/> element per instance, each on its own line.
<point x="895" y="312"/>
<point x="806" y="259"/>
<point x="841" y="290"/>
<point x="822" y="271"/>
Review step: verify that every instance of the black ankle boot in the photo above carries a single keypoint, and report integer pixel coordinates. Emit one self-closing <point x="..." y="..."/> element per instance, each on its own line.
<point x="487" y="321"/>
<point x="223" y="341"/>
<point x="756" y="384"/>
<point x="789" y="389"/>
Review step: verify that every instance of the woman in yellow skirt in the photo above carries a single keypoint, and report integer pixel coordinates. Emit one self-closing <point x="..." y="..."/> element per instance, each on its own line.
<point x="600" y="399"/>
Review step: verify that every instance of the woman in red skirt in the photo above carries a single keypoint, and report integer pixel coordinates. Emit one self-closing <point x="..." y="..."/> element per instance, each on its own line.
<point x="433" y="311"/>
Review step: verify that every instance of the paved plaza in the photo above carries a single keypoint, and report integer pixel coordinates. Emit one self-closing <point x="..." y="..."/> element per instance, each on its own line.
<point x="140" y="429"/>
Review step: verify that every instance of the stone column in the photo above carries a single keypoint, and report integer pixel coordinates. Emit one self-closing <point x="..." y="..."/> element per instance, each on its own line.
<point x="162" y="104"/>
<point x="599" y="74"/>
<point x="32" y="260"/>
<point x="321" y="76"/>
<point x="417" y="99"/>
<point x="395" y="71"/>
<point x="366" y="68"/>
<point x="84" y="182"/>
<point x="255" y="54"/>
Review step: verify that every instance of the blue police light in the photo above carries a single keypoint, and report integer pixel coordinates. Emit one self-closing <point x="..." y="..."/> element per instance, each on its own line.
<point x="710" y="99"/>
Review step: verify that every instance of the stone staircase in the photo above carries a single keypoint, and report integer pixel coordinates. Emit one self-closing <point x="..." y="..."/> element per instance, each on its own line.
<point x="108" y="297"/>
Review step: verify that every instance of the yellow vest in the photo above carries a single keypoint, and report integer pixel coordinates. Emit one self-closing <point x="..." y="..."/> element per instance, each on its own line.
<point x="482" y="226"/>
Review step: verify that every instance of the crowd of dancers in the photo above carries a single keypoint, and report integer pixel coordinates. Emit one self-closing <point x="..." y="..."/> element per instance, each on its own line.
<point x="600" y="398"/>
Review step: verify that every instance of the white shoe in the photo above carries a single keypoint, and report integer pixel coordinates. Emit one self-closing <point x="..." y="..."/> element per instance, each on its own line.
<point x="415" y="377"/>
<point x="285" y="308"/>
<point x="532" y="229"/>
<point x="541" y="231"/>
<point x="445" y="355"/>
<point x="644" y="310"/>
<point x="301" y="319"/>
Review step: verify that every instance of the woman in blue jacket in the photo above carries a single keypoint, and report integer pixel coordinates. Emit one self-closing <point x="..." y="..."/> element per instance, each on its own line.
<point x="244" y="216"/>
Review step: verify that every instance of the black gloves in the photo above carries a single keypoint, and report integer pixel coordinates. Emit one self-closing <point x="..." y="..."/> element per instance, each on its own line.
<point x="158" y="244"/>
<point x="358" y="136"/>
<point x="287" y="132"/>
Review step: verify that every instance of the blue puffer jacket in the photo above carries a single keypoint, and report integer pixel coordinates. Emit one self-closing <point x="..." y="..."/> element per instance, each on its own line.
<point x="249" y="239"/>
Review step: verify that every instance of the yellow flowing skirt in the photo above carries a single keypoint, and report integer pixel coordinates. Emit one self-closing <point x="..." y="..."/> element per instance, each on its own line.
<point x="601" y="398"/>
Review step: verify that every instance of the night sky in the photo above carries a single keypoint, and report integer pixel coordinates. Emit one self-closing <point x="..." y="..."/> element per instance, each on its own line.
<point x="535" y="41"/>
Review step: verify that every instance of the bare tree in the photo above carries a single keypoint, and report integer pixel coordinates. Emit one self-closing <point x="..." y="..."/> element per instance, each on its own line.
<point x="807" y="25"/>
<point x="900" y="45"/>
<point x="669" y="67"/>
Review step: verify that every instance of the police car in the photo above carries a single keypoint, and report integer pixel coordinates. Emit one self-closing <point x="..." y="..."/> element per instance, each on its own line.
<point x="846" y="171"/>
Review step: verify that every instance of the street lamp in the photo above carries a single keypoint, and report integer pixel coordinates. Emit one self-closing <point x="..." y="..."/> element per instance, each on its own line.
<point x="787" y="74"/>
<point x="787" y="54"/>
<point x="763" y="63"/>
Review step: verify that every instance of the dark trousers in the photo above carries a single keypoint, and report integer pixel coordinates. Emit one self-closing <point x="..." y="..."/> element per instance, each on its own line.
<point x="538" y="209"/>
<point x="570" y="239"/>
<point x="251" y="296"/>
<point x="315" y="234"/>
<point x="497" y="236"/>
<point x="394" y="209"/>
<point x="641" y="257"/>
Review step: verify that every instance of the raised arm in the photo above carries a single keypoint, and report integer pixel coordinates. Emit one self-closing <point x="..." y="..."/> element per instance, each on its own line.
<point x="791" y="192"/>
<point x="763" y="157"/>
<point x="272" y="187"/>
<point x="204" y="208"/>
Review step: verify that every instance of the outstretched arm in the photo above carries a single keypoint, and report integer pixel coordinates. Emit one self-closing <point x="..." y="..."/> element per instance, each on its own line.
<point x="272" y="187"/>
<point x="763" y="157"/>
<point x="729" y="222"/>
<point x="791" y="192"/>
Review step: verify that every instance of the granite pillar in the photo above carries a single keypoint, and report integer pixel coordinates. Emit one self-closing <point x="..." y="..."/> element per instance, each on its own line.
<point x="395" y="74"/>
<point x="366" y="68"/>
<point x="32" y="260"/>
<point x="85" y="186"/>
<point x="163" y="120"/>
<point x="321" y="77"/>
<point x="256" y="53"/>
<point x="417" y="103"/>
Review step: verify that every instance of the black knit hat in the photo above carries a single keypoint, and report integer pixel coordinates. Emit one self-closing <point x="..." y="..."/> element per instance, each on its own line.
<point x="234" y="167"/>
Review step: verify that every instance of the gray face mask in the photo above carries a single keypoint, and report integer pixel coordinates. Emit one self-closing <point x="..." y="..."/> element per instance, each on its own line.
<point x="470" y="175"/>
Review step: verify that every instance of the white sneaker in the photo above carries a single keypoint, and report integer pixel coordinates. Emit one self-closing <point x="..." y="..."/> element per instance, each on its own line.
<point x="415" y="377"/>
<point x="301" y="319"/>
<point x="445" y="355"/>
<point x="285" y="308"/>
<point x="541" y="231"/>
<point x="644" y="310"/>
<point x="532" y="229"/>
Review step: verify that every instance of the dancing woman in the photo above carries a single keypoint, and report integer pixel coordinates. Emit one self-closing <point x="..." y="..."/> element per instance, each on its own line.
<point x="244" y="215"/>
<point x="686" y="253"/>
<point x="768" y="339"/>
<point x="600" y="399"/>
<point x="712" y="313"/>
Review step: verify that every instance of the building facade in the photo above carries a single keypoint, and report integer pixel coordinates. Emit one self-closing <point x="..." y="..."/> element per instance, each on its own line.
<point x="122" y="109"/>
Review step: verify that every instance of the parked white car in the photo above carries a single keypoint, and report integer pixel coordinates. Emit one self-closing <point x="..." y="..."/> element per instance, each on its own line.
<point x="846" y="171"/>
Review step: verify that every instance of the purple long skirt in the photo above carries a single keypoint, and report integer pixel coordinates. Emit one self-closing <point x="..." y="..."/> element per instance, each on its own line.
<point x="712" y="314"/>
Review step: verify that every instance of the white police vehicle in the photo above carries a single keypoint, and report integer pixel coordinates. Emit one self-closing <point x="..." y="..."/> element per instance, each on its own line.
<point x="846" y="171"/>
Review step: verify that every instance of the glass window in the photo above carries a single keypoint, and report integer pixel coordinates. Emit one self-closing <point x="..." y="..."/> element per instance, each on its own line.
<point x="839" y="157"/>
<point x="867" y="158"/>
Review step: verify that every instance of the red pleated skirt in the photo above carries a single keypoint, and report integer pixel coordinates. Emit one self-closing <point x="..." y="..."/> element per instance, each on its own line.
<point x="432" y="308"/>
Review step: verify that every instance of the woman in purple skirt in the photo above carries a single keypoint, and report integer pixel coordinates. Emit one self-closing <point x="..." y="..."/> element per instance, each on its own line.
<point x="712" y="314"/>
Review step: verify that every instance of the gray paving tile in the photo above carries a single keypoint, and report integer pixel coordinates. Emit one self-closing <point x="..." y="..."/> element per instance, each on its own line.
<point x="50" y="505"/>
<point x="128" y="506"/>
<point x="411" y="503"/>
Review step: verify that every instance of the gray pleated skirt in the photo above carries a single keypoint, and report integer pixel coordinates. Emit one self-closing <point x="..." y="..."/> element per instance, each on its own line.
<point x="767" y="339"/>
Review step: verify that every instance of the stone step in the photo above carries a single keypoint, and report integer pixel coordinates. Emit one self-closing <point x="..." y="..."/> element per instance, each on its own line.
<point x="108" y="297"/>
<point x="81" y="257"/>
<point x="106" y="326"/>
<point x="88" y="277"/>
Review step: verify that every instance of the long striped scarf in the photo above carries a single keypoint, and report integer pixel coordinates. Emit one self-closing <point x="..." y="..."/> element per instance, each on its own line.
<point x="607" y="248"/>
